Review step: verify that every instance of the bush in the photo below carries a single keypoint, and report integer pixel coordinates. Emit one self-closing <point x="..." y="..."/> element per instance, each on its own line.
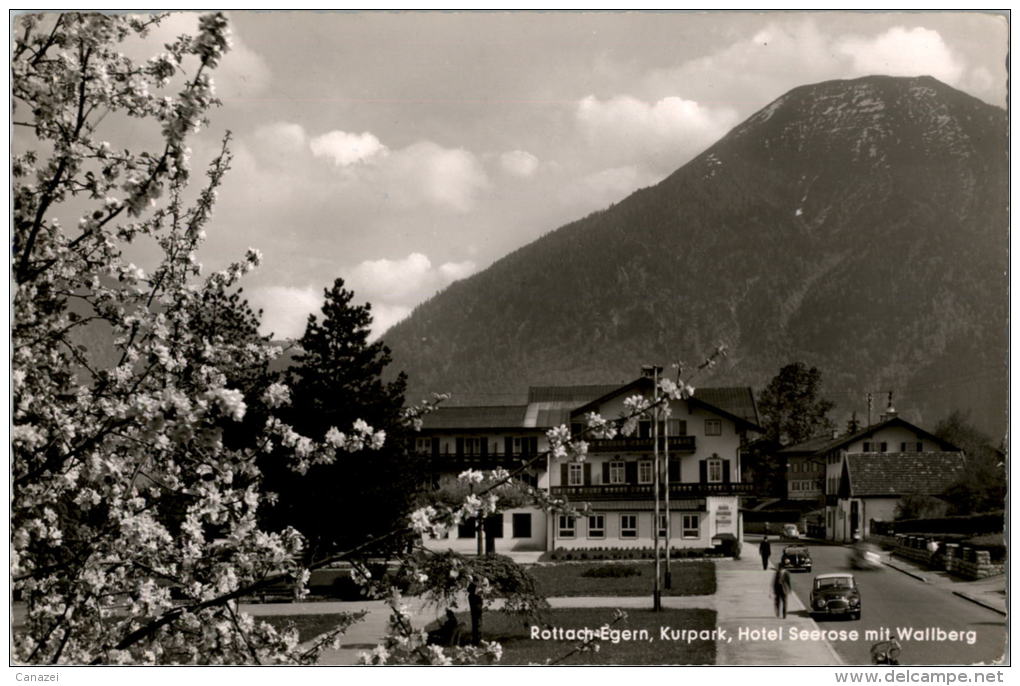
<point x="987" y="523"/>
<point x="612" y="572"/>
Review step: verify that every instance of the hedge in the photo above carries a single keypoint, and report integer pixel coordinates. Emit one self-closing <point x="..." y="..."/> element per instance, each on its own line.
<point x="585" y="554"/>
<point x="986" y="523"/>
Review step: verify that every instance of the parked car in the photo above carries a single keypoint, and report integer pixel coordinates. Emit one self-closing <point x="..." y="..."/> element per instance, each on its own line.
<point x="790" y="531"/>
<point x="865" y="556"/>
<point x="796" y="557"/>
<point x="836" y="595"/>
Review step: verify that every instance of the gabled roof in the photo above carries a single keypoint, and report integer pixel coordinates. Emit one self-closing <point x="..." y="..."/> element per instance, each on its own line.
<point x="824" y="444"/>
<point x="492" y="417"/>
<point x="900" y="474"/>
<point x="576" y="394"/>
<point x="736" y="403"/>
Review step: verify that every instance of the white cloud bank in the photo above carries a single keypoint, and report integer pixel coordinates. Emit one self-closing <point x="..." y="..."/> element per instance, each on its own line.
<point x="519" y="163"/>
<point x="902" y="52"/>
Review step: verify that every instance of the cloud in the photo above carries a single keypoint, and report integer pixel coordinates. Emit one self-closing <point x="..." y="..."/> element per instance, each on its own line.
<point x="629" y="129"/>
<point x="285" y="308"/>
<point x="903" y="52"/>
<point x="518" y="163"/>
<point x="424" y="171"/>
<point x="406" y="281"/>
<point x="345" y="148"/>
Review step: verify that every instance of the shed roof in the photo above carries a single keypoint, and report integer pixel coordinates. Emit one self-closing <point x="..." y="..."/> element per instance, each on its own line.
<point x="899" y="474"/>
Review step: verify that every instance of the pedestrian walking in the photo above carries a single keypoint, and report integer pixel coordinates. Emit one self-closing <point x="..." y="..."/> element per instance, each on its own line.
<point x="765" y="550"/>
<point x="780" y="590"/>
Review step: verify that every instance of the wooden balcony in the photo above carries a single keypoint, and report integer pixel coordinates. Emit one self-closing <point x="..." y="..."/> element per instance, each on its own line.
<point x="644" y="491"/>
<point x="677" y="444"/>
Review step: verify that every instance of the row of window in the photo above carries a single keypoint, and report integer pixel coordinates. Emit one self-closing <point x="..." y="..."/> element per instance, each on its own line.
<point x="670" y="427"/>
<point x="714" y="472"/>
<point x="801" y="467"/>
<point x="520" y="526"/>
<point x="806" y="485"/>
<point x="880" y="447"/>
<point x="567" y="527"/>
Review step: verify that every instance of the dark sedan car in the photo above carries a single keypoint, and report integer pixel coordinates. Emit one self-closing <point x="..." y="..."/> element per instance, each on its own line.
<point x="796" y="557"/>
<point x="836" y="595"/>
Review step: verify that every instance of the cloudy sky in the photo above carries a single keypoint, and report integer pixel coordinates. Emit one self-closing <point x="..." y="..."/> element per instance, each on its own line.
<point x="403" y="151"/>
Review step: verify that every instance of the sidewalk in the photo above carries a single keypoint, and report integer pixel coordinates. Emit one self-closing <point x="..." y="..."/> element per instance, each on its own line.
<point x="742" y="601"/>
<point x="989" y="592"/>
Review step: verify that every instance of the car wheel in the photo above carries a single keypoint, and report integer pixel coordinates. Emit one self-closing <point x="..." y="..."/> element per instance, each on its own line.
<point x="856" y="616"/>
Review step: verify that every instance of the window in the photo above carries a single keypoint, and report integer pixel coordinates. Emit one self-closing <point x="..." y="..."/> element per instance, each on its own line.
<point x="644" y="429"/>
<point x="575" y="474"/>
<point x="596" y="526"/>
<point x="911" y="447"/>
<point x="466" y="529"/>
<point x="566" y="526"/>
<point x="472" y="446"/>
<point x="677" y="427"/>
<point x="617" y="473"/>
<point x="522" y="525"/>
<point x="714" y="471"/>
<point x="663" y="525"/>
<point x="422" y="445"/>
<point x="713" y="427"/>
<point x="628" y="526"/>
<point x="645" y="473"/>
<point x="882" y="447"/>
<point x="867" y="446"/>
<point x="494" y="526"/>
<point x="691" y="526"/>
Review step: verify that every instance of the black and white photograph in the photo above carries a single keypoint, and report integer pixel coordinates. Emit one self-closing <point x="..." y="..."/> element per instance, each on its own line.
<point x="509" y="338"/>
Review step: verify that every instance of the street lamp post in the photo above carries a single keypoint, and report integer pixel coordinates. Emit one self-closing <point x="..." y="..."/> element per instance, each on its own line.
<point x="653" y="371"/>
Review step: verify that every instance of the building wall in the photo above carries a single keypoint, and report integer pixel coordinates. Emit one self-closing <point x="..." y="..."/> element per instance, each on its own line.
<point x="505" y="543"/>
<point x="720" y="516"/>
<point x="808" y="474"/>
<point x="879" y="509"/>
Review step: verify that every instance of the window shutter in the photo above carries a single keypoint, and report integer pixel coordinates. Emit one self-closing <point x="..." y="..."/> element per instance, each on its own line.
<point x="435" y="446"/>
<point x="882" y="447"/>
<point x="630" y="472"/>
<point x="563" y="474"/>
<point x="460" y="446"/>
<point x="605" y="472"/>
<point x="533" y="445"/>
<point x="674" y="471"/>
<point x="508" y="445"/>
<point x="484" y="443"/>
<point x="702" y="471"/>
<point x="587" y="473"/>
<point x="726" y="471"/>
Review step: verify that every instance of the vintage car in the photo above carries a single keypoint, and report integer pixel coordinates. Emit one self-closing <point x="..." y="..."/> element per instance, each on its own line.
<point x="865" y="556"/>
<point x="796" y="557"/>
<point x="836" y="595"/>
<point x="790" y="531"/>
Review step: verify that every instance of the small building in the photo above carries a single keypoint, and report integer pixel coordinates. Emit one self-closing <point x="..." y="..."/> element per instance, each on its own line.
<point x="872" y="485"/>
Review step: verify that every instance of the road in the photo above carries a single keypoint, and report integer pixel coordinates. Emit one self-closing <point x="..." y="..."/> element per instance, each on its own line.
<point x="895" y="601"/>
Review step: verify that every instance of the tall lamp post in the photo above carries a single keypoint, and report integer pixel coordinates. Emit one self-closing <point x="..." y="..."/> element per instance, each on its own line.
<point x="653" y="371"/>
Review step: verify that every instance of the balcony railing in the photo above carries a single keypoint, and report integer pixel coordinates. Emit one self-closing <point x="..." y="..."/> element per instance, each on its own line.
<point x="644" y="491"/>
<point x="477" y="458"/>
<point x="677" y="444"/>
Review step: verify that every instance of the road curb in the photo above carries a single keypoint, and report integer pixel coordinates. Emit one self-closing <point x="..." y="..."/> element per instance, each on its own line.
<point x="978" y="601"/>
<point x="906" y="571"/>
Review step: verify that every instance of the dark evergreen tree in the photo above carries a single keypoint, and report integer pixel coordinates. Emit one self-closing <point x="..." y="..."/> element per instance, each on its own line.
<point x="336" y="379"/>
<point x="791" y="408"/>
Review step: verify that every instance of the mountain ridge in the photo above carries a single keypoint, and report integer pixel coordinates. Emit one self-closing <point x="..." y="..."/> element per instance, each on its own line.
<point x="855" y="225"/>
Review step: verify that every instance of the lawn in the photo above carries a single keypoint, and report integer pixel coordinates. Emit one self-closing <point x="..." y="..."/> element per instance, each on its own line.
<point x="689" y="578"/>
<point x="519" y="648"/>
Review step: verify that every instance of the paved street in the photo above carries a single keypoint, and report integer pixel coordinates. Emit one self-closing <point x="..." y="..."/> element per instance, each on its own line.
<point x="893" y="599"/>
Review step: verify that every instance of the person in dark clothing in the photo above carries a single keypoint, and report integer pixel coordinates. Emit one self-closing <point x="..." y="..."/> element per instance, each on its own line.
<point x="780" y="590"/>
<point x="765" y="550"/>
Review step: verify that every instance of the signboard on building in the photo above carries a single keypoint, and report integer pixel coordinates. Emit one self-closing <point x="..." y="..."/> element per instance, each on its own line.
<point x="723" y="516"/>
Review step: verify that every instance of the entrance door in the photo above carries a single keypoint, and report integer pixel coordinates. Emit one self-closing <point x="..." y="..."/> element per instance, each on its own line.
<point x="855" y="517"/>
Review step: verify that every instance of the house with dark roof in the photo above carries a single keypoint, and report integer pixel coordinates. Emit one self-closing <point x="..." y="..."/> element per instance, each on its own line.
<point x="872" y="485"/>
<point x="703" y="437"/>
<point x="825" y="457"/>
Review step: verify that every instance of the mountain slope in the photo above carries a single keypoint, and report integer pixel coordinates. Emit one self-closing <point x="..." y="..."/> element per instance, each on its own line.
<point x="860" y="226"/>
